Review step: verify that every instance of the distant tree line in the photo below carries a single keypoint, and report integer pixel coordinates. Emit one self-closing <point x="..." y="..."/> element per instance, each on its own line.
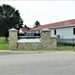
<point x="25" y="26"/>
<point x="36" y="24"/>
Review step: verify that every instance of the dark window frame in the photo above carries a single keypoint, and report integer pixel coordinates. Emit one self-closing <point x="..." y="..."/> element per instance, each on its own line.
<point x="73" y="31"/>
<point x="55" y="32"/>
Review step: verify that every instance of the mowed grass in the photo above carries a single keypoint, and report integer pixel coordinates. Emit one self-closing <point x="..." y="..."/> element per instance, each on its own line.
<point x="60" y="47"/>
<point x="65" y="47"/>
<point x="3" y="44"/>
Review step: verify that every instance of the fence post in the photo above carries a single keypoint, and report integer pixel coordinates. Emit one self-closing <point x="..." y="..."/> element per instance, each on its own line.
<point x="73" y="43"/>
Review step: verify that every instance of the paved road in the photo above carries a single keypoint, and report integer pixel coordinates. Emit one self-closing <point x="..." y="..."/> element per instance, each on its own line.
<point x="37" y="63"/>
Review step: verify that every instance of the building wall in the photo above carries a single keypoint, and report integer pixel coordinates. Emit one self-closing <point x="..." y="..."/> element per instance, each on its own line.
<point x="20" y="31"/>
<point x="65" y="33"/>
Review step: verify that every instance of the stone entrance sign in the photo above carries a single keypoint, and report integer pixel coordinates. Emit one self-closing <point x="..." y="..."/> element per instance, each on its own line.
<point x="45" y="42"/>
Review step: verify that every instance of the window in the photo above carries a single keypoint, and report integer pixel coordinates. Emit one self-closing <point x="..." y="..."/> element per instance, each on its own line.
<point x="37" y="32"/>
<point x="55" y="32"/>
<point x="74" y="31"/>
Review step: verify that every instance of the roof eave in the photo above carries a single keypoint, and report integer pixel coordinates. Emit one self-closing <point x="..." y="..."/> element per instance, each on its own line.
<point x="57" y="27"/>
<point x="63" y="26"/>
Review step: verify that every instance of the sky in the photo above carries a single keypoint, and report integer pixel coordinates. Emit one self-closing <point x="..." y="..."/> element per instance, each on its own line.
<point x="45" y="12"/>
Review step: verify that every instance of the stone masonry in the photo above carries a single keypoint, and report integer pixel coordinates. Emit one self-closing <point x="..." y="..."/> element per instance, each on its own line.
<point x="13" y="37"/>
<point x="47" y="41"/>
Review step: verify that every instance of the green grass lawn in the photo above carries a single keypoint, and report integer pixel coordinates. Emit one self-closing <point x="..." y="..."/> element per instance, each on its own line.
<point x="60" y="47"/>
<point x="65" y="47"/>
<point x="3" y="44"/>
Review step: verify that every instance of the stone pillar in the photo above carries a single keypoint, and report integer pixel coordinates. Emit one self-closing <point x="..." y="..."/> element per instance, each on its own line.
<point x="13" y="36"/>
<point x="45" y="34"/>
<point x="53" y="42"/>
<point x="47" y="40"/>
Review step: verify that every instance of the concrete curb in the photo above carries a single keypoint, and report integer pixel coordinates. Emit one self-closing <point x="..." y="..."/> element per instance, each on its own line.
<point x="44" y="51"/>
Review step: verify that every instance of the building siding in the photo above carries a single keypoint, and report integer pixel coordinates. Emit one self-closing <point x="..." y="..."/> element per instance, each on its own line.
<point x="65" y="33"/>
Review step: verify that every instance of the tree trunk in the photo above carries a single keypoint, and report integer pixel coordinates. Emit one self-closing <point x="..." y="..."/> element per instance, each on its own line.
<point x="6" y="39"/>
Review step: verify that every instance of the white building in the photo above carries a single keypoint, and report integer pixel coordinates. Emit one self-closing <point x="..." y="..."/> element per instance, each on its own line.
<point x="62" y="30"/>
<point x="67" y="32"/>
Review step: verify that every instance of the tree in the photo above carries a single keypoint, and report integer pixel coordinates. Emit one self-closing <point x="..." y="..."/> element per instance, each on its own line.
<point x="9" y="18"/>
<point x="37" y="23"/>
<point x="25" y="26"/>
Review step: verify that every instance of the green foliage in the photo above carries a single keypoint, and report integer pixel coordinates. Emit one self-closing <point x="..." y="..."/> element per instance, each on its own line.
<point x="25" y="26"/>
<point x="9" y="18"/>
<point x="37" y="23"/>
<point x="3" y="44"/>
